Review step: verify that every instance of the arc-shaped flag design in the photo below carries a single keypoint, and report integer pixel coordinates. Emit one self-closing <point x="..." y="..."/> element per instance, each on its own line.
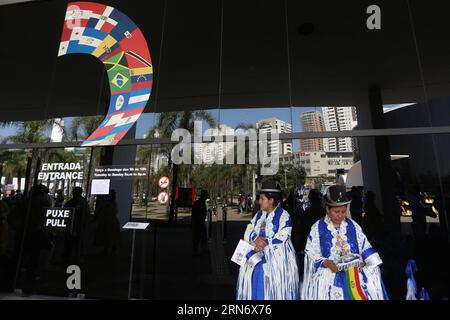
<point x="108" y="34"/>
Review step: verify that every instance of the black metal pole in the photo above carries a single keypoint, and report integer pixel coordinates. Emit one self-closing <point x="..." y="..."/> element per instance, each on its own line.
<point x="209" y="223"/>
<point x="149" y="182"/>
<point x="144" y="260"/>
<point x="130" y="279"/>
<point x="225" y="220"/>
<point x="36" y="172"/>
<point x="25" y="225"/>
<point x="88" y="186"/>
<point x="154" y="263"/>
<point x="83" y="217"/>
<point x="27" y="176"/>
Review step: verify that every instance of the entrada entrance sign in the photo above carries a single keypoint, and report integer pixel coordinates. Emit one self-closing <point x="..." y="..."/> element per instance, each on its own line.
<point x="61" y="171"/>
<point x="108" y="34"/>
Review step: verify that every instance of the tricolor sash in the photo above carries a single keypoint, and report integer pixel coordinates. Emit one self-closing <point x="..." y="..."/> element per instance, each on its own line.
<point x="353" y="284"/>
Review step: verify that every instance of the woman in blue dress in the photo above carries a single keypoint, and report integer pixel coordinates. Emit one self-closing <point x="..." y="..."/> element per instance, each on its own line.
<point x="340" y="263"/>
<point x="270" y="271"/>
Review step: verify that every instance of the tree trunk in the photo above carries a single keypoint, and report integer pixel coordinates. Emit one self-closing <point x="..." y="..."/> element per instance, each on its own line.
<point x="141" y="192"/>
<point x="172" y="208"/>
<point x="69" y="188"/>
<point x="19" y="179"/>
<point x="188" y="177"/>
<point x="231" y="190"/>
<point x="245" y="179"/>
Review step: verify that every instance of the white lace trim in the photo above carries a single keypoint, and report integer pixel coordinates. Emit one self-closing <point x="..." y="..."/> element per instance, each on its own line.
<point x="334" y="250"/>
<point x="269" y="225"/>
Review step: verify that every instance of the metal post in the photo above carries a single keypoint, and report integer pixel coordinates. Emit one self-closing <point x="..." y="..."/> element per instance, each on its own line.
<point x="224" y="223"/>
<point x="91" y="157"/>
<point x="209" y="224"/>
<point x="28" y="176"/>
<point x="154" y="263"/>
<point x="36" y="172"/>
<point x="83" y="217"/>
<point x="131" y="264"/>
<point x="149" y="182"/>
<point x="25" y="228"/>
<point x="285" y="179"/>
<point x="144" y="260"/>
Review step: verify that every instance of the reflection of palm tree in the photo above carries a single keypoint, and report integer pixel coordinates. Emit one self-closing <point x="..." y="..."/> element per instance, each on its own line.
<point x="38" y="132"/>
<point x="13" y="163"/>
<point x="221" y="179"/>
<point x="288" y="175"/>
<point x="82" y="127"/>
<point x="29" y="132"/>
<point x="166" y="124"/>
<point x="248" y="168"/>
<point x="60" y="156"/>
<point x="145" y="155"/>
<point x="297" y="174"/>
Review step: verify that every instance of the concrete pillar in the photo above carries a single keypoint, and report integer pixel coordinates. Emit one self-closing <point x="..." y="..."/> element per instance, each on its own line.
<point x="375" y="158"/>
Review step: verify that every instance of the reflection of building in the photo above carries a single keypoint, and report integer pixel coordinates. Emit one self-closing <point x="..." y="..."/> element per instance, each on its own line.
<point x="312" y="121"/>
<point x="215" y="151"/>
<point x="57" y="131"/>
<point x="320" y="163"/>
<point x="274" y="125"/>
<point x="354" y="116"/>
<point x="159" y="161"/>
<point x="338" y="119"/>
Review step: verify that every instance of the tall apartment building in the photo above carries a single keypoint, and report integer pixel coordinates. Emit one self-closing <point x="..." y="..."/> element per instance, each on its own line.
<point x="338" y="119"/>
<point x="274" y="125"/>
<point x="312" y="121"/>
<point x="215" y="151"/>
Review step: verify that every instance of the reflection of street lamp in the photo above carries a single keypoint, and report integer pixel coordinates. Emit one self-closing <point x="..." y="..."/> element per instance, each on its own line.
<point x="255" y="176"/>
<point x="285" y="181"/>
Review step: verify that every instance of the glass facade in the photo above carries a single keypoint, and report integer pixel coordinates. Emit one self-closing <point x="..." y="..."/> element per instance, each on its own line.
<point x="331" y="101"/>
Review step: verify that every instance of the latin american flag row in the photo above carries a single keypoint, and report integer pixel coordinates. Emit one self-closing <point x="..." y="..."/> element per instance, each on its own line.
<point x="108" y="34"/>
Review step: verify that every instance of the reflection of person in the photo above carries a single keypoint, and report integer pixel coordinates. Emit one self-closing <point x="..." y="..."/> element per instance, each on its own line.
<point x="333" y="240"/>
<point x="12" y="200"/>
<point x="108" y="228"/>
<point x="312" y="214"/>
<point x="356" y="206"/>
<point x="372" y="221"/>
<point x="4" y="211"/>
<point x="199" y="212"/>
<point x="270" y="272"/>
<point x="72" y="237"/>
<point x="249" y="203"/>
<point x="36" y="237"/>
<point x="59" y="199"/>
<point x="293" y="205"/>
<point x="419" y="215"/>
<point x="442" y="205"/>
<point x="241" y="201"/>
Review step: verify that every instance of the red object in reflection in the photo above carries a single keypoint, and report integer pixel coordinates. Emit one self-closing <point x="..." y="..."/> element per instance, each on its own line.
<point x="193" y="196"/>
<point x="185" y="197"/>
